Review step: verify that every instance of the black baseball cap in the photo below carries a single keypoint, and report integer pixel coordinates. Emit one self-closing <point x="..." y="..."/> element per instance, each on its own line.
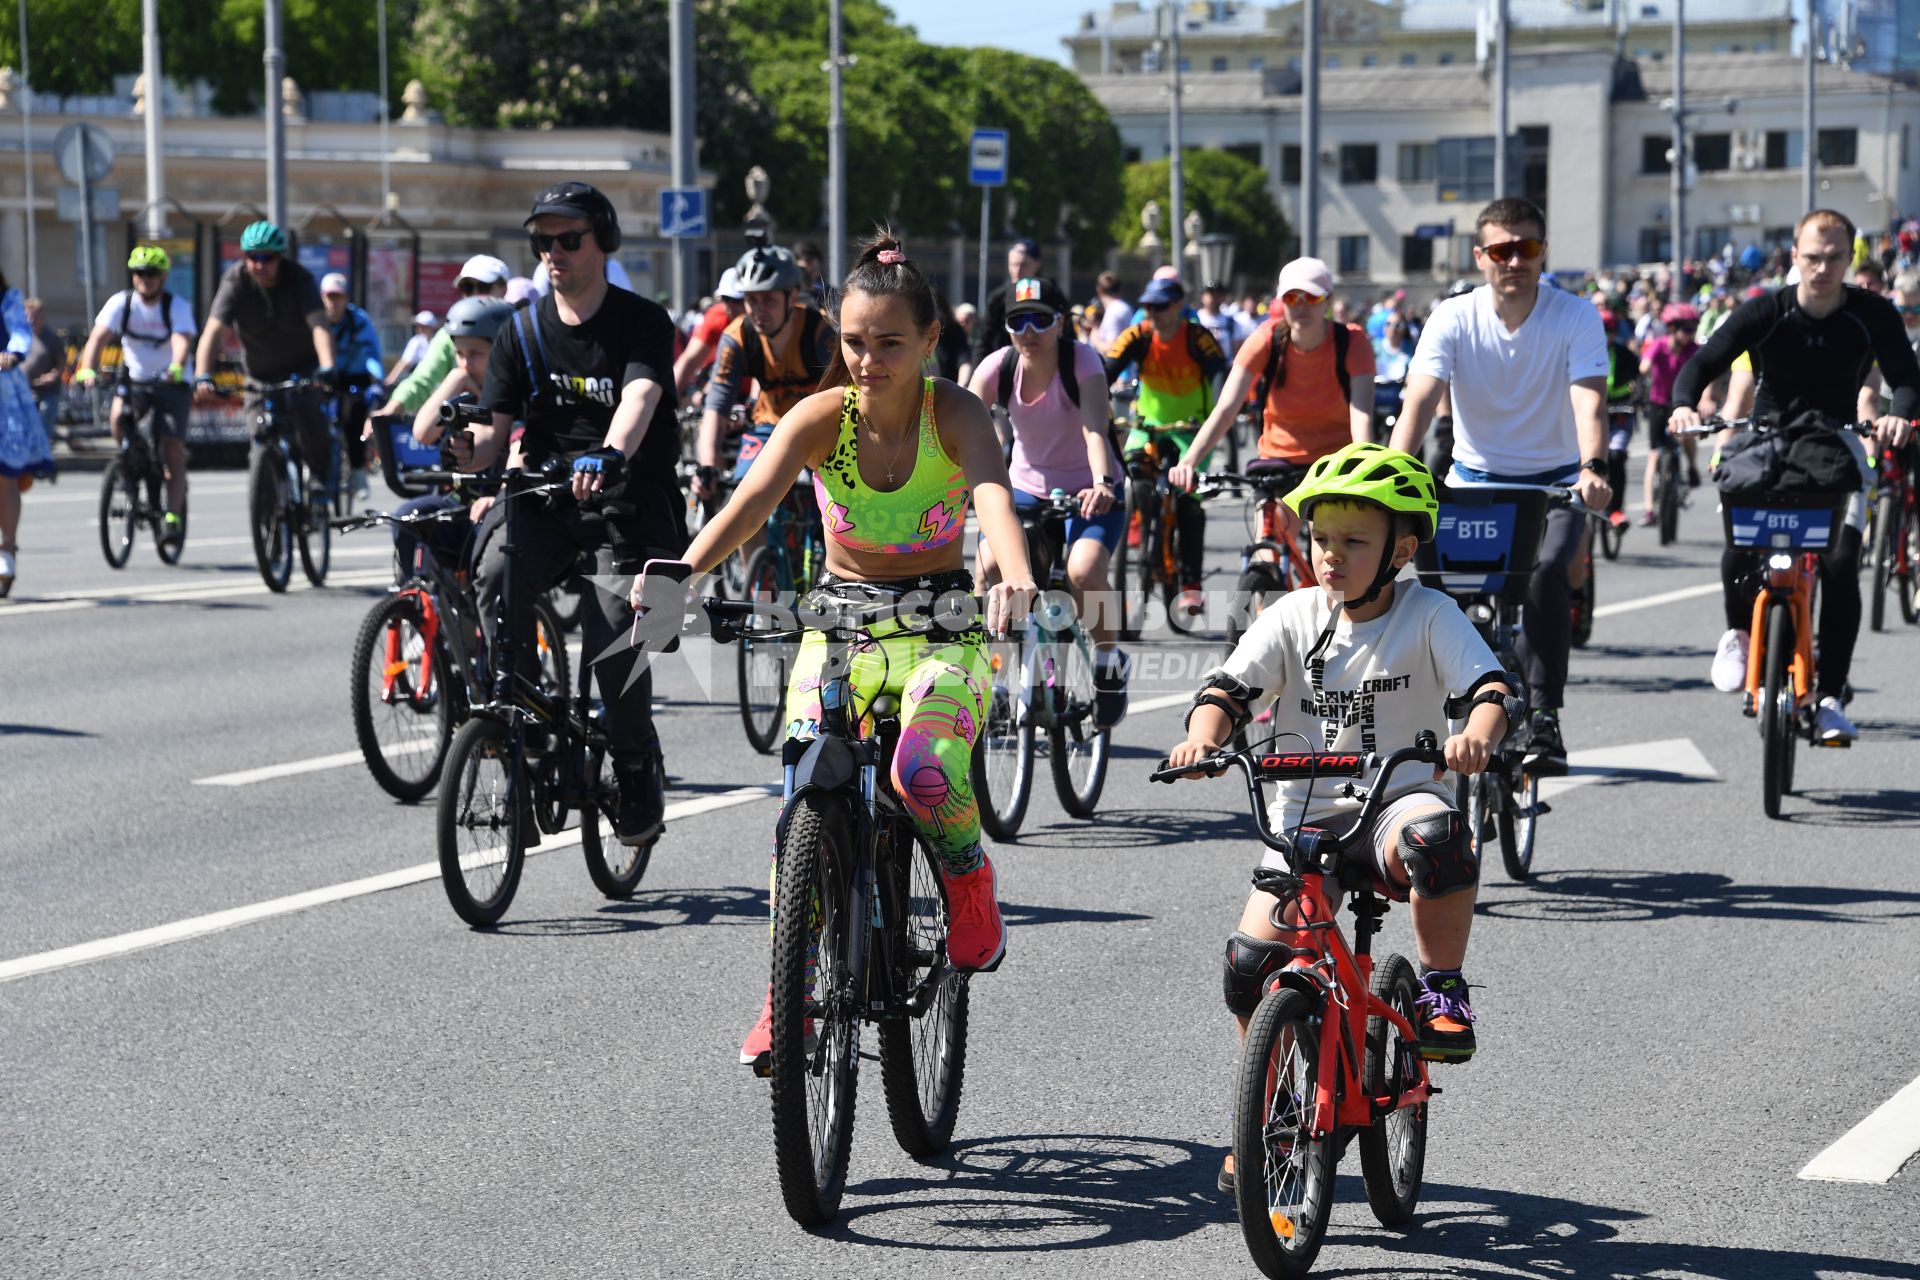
<point x="573" y="200"/>
<point x="1036" y="294"/>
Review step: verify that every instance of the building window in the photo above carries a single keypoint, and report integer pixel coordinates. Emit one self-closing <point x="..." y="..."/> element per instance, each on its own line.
<point x="1186" y="64"/>
<point x="1446" y="58"/>
<point x="1409" y="59"/>
<point x="1369" y="59"/>
<point x="1708" y="241"/>
<point x="1783" y="149"/>
<point x="1131" y="155"/>
<point x="1653" y="153"/>
<point x="1359" y="162"/>
<point x="1713" y="152"/>
<point x="1839" y="146"/>
<point x="1219" y="64"/>
<point x="1333" y="61"/>
<point x="1290" y="164"/>
<point x="1463" y="167"/>
<point x="1353" y="255"/>
<point x="1416" y="162"/>
<point x="1777" y="237"/>
<point x="1656" y="244"/>
<point x="1248" y="151"/>
<point x="1416" y="255"/>
<point x="1256" y="64"/>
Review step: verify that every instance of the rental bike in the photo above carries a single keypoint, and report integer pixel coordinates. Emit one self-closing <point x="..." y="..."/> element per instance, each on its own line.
<point x="529" y="757"/>
<point x="1332" y="1050"/>
<point x="133" y="488"/>
<point x="1045" y="686"/>
<point x="1894" y="536"/>
<point x="793" y="557"/>
<point x="860" y="924"/>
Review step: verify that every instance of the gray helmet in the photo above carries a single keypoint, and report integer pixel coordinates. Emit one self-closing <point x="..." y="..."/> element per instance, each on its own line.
<point x="477" y="317"/>
<point x="768" y="269"/>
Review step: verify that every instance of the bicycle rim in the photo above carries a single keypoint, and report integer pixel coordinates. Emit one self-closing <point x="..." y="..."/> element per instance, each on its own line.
<point x="1776" y="716"/>
<point x="616" y="868"/>
<point x="923" y="1058"/>
<point x="1393" y="1149"/>
<point x="483" y="822"/>
<point x="401" y="718"/>
<point x="1283" y="1176"/>
<point x="761" y="664"/>
<point x="272" y="529"/>
<point x="814" y="1085"/>
<point x="1077" y="752"/>
<point x="1519" y="822"/>
<point x="1003" y="757"/>
<point x="316" y="540"/>
<point x="119" y="513"/>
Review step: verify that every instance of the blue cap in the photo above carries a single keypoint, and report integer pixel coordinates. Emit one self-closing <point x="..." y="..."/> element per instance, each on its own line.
<point x="1030" y="247"/>
<point x="1158" y="292"/>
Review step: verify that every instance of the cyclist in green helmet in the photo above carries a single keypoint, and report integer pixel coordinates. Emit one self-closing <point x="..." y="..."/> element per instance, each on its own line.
<point x="154" y="330"/>
<point x="1363" y="663"/>
<point x="273" y="305"/>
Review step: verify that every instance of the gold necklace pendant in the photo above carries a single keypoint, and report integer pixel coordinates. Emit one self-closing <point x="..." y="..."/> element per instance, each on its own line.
<point x="874" y="432"/>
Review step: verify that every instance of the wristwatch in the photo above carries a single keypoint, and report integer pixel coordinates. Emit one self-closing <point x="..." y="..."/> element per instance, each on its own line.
<point x="1105" y="480"/>
<point x="1596" y="465"/>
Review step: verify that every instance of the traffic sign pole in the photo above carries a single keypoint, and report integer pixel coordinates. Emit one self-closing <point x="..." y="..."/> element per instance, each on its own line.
<point x="86" y="235"/>
<point x="986" y="198"/>
<point x="680" y="86"/>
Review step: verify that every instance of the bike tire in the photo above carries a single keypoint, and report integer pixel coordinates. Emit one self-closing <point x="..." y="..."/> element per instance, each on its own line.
<point x="1776" y="718"/>
<point x="550" y="642"/>
<point x="272" y="528"/>
<point x="1667" y="483"/>
<point x="1393" y="1149"/>
<point x="761" y="665"/>
<point x="316" y="539"/>
<point x="1002" y="766"/>
<point x="616" y="868"/>
<point x="391" y="729"/>
<point x="923" y="1059"/>
<point x="1479" y="807"/>
<point x="1584" y="597"/>
<point x="1909" y="575"/>
<point x="815" y="912"/>
<point x="482" y="822"/>
<point x="1886" y="552"/>
<point x="1283" y="1217"/>
<point x="119" y="513"/>
<point x="1518" y="820"/>
<point x="168" y="548"/>
<point x="1077" y="751"/>
<point x="1611" y="537"/>
<point x="1133" y="571"/>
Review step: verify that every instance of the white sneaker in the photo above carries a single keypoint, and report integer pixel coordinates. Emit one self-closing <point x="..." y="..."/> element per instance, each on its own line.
<point x="6" y="572"/>
<point x="1730" y="662"/>
<point x="1831" y="724"/>
<point x="362" y="489"/>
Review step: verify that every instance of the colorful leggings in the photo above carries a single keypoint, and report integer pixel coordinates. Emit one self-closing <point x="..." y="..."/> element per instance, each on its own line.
<point x="942" y="685"/>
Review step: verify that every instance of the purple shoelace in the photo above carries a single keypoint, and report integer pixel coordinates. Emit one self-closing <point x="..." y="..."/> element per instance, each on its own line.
<point x="1447" y="1004"/>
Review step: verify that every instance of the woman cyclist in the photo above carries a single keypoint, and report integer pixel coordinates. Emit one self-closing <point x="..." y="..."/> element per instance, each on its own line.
<point x="894" y="454"/>
<point x="1060" y="442"/>
<point x="1660" y="363"/>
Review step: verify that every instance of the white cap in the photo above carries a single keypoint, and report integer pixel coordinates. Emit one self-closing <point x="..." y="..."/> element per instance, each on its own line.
<point x="520" y="288"/>
<point x="485" y="268"/>
<point x="730" y="286"/>
<point x="333" y="282"/>
<point x="426" y="319"/>
<point x="1310" y="275"/>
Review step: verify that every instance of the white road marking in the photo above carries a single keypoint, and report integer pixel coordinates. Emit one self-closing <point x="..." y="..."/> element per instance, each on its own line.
<point x="200" y="926"/>
<point x="1874" y="1149"/>
<point x="1671" y="757"/>
<point x="314" y="765"/>
<point x="1664" y="597"/>
<point x="172" y="594"/>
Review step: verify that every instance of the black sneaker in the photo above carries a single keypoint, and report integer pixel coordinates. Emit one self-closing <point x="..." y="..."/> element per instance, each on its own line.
<point x="1446" y="1019"/>
<point x="642" y="813"/>
<point x="1546" y="754"/>
<point x="1110" y="693"/>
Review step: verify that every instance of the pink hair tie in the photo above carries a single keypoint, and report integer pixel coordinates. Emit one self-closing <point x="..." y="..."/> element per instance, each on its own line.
<point x="890" y="257"/>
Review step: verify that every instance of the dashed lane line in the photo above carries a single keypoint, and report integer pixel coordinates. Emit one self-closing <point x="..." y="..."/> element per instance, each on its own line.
<point x="1874" y="1149"/>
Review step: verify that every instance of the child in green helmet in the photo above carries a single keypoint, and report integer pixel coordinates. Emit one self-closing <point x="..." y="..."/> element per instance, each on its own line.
<point x="1362" y="663"/>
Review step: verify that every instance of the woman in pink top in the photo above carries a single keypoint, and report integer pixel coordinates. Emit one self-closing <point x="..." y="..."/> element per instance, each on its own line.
<point x="1660" y="363"/>
<point x="1060" y="442"/>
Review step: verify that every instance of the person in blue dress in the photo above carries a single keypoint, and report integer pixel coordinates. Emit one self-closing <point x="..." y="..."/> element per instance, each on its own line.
<point x="24" y="451"/>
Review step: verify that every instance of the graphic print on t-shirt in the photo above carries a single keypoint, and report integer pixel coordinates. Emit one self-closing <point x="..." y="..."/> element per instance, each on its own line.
<point x="1341" y="709"/>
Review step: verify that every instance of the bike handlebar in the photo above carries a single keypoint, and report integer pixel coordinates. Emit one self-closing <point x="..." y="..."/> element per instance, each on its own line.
<point x="1708" y="426"/>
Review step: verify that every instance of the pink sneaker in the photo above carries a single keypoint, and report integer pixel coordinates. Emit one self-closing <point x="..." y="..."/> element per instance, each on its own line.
<point x="976" y="938"/>
<point x="756" y="1050"/>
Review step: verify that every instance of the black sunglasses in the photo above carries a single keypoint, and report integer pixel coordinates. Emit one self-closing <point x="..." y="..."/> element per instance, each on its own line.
<point x="570" y="241"/>
<point x="262" y="259"/>
<point x="148" y="273"/>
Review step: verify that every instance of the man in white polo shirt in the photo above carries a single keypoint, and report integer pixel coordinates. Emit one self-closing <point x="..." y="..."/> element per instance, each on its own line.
<point x="1528" y="369"/>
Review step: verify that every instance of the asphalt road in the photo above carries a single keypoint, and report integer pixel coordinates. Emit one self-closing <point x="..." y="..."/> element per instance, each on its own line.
<point x="1686" y="1005"/>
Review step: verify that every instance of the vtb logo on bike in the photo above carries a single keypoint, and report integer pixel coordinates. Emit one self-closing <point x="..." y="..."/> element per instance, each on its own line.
<point x="1468" y="529"/>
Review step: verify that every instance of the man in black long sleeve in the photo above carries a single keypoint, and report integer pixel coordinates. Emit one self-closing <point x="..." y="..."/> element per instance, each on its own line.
<point x="1813" y="345"/>
<point x="990" y="331"/>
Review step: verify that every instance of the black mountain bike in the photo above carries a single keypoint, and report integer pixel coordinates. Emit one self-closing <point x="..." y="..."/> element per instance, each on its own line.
<point x="286" y="501"/>
<point x="530" y="757"/>
<point x="133" y="493"/>
<point x="859" y="928"/>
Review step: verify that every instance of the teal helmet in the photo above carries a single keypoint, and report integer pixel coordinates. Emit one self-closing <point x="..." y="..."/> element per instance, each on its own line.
<point x="263" y="237"/>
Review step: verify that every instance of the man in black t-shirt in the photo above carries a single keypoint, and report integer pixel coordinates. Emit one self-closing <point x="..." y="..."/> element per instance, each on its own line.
<point x="589" y="370"/>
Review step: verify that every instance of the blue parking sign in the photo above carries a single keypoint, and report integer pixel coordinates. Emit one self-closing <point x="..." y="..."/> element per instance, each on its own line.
<point x="683" y="213"/>
<point x="987" y="158"/>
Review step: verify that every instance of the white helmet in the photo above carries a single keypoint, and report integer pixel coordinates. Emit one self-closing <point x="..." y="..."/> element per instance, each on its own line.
<point x="730" y="286"/>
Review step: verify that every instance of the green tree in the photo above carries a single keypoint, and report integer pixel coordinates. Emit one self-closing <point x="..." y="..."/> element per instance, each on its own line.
<point x="1230" y="193"/>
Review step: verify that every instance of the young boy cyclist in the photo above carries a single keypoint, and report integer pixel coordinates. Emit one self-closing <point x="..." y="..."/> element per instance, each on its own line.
<point x="1363" y="663"/>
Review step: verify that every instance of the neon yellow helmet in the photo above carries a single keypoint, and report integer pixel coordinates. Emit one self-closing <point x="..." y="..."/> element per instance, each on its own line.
<point x="149" y="257"/>
<point x="1373" y="473"/>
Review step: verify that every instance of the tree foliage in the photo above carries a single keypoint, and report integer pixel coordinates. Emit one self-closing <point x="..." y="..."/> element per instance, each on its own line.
<point x="1231" y="195"/>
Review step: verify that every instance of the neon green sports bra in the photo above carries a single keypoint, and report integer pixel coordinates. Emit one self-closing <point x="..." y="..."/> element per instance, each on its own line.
<point x="926" y="512"/>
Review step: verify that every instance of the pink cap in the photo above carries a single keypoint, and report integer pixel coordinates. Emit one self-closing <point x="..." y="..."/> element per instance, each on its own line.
<point x="1168" y="272"/>
<point x="1307" y="274"/>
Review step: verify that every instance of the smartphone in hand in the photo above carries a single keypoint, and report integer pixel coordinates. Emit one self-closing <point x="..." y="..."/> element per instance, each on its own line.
<point x="662" y="605"/>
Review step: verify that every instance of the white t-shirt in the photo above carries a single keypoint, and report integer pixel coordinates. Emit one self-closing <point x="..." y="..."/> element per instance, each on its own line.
<point x="1382" y="683"/>
<point x="147" y="349"/>
<point x="1115" y="316"/>
<point x="616" y="275"/>
<point x="416" y="350"/>
<point x="1512" y="415"/>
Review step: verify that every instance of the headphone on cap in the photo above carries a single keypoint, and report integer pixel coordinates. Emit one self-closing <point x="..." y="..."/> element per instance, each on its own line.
<point x="591" y="204"/>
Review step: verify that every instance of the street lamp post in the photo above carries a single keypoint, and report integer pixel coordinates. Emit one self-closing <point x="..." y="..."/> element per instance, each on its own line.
<point x="26" y="150"/>
<point x="1176" y="167"/>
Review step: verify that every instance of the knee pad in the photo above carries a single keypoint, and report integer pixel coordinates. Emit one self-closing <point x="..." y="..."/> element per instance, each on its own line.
<point x="1437" y="854"/>
<point x="1249" y="963"/>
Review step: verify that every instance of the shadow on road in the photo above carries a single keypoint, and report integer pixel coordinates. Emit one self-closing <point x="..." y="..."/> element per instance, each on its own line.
<point x="42" y="731"/>
<point x="1530" y="1237"/>
<point x="1855" y="809"/>
<point x="663" y="909"/>
<point x="1139" y="829"/>
<point x="1041" y="1192"/>
<point x="1611" y="896"/>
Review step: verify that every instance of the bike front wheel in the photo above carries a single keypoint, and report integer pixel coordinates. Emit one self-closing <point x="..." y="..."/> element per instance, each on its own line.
<point x="1003" y="755"/>
<point x="1077" y="751"/>
<point x="923" y="1057"/>
<point x="1519" y="821"/>
<point x="402" y="714"/>
<point x="168" y="543"/>
<point x="1908" y="575"/>
<point x="484" y="819"/>
<point x="272" y="528"/>
<point x="119" y="512"/>
<point x="1283" y="1174"/>
<point x="816" y="1029"/>
<point x="316" y="537"/>
<point x="1887" y="536"/>
<point x="1393" y="1149"/>
<point x="761" y="664"/>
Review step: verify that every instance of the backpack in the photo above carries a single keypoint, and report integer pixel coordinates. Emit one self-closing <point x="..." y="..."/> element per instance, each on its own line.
<point x="809" y="340"/>
<point x="537" y="377"/>
<point x="126" y="319"/>
<point x="1274" y="376"/>
<point x="1069" y="376"/>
